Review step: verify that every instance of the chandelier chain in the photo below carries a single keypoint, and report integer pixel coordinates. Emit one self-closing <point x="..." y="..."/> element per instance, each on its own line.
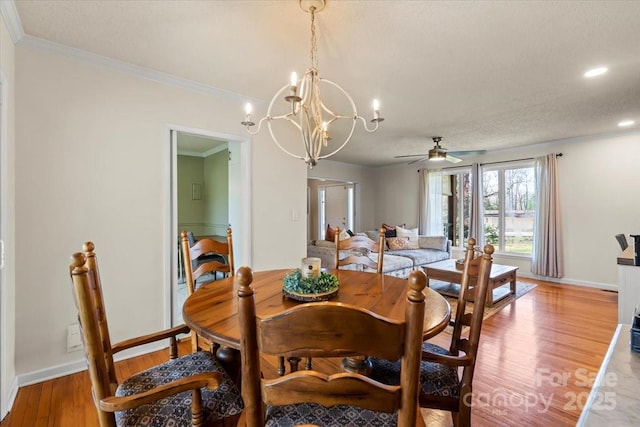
<point x="314" y="46"/>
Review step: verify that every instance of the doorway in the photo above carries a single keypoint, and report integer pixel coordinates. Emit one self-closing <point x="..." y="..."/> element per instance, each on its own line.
<point x="197" y="158"/>
<point x="330" y="203"/>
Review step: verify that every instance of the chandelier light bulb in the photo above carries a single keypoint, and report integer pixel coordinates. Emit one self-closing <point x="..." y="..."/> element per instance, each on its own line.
<point x="595" y="72"/>
<point x="248" y="108"/>
<point x="294" y="79"/>
<point x="376" y="105"/>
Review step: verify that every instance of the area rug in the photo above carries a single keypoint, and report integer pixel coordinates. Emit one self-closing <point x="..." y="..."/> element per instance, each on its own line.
<point x="521" y="289"/>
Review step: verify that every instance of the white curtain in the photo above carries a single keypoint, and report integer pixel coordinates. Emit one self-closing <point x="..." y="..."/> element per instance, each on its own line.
<point x="547" y="257"/>
<point x="422" y="201"/>
<point x="476" y="229"/>
<point x="433" y="184"/>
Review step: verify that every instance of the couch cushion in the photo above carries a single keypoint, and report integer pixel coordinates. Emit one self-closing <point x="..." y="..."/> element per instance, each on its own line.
<point x="421" y="256"/>
<point x="325" y="244"/>
<point x="433" y="242"/>
<point x="411" y="234"/>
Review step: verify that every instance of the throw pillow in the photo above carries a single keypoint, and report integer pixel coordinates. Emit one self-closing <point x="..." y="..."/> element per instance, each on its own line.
<point x="373" y="234"/>
<point x="330" y="234"/>
<point x="433" y="242"/>
<point x="411" y="234"/>
<point x="398" y="243"/>
<point x="389" y="231"/>
<point x="344" y="234"/>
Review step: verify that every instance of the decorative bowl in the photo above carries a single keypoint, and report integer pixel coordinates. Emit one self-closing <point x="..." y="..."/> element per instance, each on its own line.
<point x="325" y="296"/>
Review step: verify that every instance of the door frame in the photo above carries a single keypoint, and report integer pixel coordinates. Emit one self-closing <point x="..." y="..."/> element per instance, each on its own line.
<point x="6" y="358"/>
<point x="243" y="144"/>
<point x="350" y="195"/>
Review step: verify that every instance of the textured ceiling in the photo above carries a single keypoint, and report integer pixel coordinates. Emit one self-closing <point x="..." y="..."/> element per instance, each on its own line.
<point x="483" y="74"/>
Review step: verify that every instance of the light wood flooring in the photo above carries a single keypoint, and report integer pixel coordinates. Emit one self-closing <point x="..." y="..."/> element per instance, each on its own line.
<point x="538" y="358"/>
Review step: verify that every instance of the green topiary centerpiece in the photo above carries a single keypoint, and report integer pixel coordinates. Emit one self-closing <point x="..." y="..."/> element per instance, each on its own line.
<point x="300" y="288"/>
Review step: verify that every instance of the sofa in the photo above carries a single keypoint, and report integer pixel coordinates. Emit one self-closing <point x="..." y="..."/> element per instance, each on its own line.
<point x="396" y="262"/>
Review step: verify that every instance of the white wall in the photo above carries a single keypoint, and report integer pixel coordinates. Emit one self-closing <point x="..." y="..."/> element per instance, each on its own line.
<point x="7" y="215"/>
<point x="599" y="198"/>
<point x="91" y="164"/>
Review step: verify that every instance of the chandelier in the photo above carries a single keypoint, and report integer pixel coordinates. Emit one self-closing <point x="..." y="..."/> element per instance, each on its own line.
<point x="308" y="112"/>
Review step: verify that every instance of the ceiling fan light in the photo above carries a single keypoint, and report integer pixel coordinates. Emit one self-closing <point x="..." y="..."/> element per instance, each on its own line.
<point x="436" y="155"/>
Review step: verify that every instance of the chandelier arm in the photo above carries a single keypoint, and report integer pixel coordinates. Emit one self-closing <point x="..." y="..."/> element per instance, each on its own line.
<point x="250" y="132"/>
<point x="364" y="125"/>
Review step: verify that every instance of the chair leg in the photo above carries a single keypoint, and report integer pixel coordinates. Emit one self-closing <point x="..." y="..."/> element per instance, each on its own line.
<point x="196" y="408"/>
<point x="463" y="417"/>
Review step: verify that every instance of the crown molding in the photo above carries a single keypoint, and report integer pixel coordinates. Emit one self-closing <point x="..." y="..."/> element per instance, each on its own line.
<point x="12" y="20"/>
<point x="206" y="154"/>
<point x="136" y="70"/>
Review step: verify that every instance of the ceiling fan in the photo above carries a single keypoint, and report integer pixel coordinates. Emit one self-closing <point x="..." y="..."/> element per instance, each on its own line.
<point x="439" y="153"/>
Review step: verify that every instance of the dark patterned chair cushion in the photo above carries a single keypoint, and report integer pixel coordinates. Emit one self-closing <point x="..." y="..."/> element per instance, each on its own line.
<point x="435" y="379"/>
<point x="335" y="416"/>
<point x="176" y="410"/>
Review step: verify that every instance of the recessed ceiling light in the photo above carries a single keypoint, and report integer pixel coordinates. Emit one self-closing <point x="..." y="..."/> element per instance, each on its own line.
<point x="626" y="123"/>
<point x="594" y="72"/>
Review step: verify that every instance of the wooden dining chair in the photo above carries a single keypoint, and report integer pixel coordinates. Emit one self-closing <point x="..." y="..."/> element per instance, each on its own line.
<point x="441" y="386"/>
<point x="208" y="256"/>
<point x="357" y="250"/>
<point x="328" y="329"/>
<point x="192" y="390"/>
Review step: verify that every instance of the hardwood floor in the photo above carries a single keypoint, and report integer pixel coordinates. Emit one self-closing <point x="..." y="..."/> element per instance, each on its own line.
<point x="537" y="361"/>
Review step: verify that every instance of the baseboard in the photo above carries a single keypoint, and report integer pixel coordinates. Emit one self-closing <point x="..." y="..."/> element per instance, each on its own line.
<point x="79" y="365"/>
<point x="566" y="281"/>
<point x="13" y="392"/>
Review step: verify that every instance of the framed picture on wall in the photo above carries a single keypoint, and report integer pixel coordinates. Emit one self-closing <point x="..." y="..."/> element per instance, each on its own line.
<point x="196" y="192"/>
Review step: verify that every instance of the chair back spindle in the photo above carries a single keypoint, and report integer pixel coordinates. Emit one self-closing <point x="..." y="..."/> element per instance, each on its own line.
<point x="355" y="251"/>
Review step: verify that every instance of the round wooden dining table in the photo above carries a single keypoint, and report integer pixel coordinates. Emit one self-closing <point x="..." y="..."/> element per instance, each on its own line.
<point x="212" y="310"/>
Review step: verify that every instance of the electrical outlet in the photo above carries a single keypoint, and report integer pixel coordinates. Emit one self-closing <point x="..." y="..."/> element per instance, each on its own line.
<point x="74" y="340"/>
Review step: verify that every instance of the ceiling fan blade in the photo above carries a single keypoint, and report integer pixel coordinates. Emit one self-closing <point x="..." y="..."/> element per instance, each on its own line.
<point x="452" y="159"/>
<point x="409" y="155"/>
<point x="466" y="152"/>
<point x="418" y="160"/>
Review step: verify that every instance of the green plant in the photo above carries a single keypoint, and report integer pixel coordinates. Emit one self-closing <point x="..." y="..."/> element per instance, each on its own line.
<point x="491" y="234"/>
<point x="294" y="282"/>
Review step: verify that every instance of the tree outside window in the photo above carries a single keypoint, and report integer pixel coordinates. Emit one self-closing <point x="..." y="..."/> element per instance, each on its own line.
<point x="509" y="207"/>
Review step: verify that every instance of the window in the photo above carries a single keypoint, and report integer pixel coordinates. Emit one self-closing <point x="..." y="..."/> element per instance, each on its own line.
<point x="456" y="205"/>
<point x="509" y="206"/>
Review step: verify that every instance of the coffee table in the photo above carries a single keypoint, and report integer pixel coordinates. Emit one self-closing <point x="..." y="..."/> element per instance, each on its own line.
<point x="447" y="272"/>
